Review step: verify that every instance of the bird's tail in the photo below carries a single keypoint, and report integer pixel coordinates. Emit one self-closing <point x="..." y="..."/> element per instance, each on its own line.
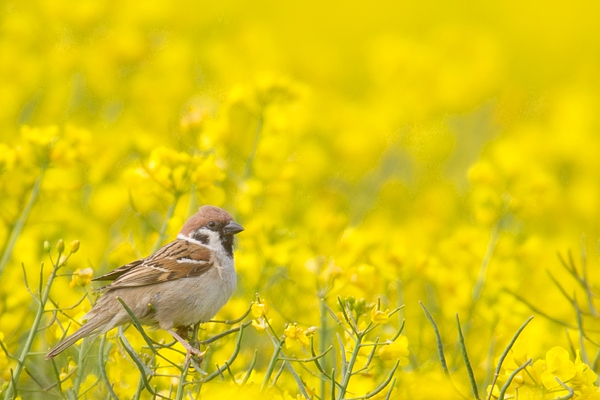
<point x="92" y="327"/>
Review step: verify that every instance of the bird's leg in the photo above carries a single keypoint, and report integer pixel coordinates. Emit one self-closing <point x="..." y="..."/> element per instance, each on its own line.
<point x="183" y="331"/>
<point x="189" y="348"/>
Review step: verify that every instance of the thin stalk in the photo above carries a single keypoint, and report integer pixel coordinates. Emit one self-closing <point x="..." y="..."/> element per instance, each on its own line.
<point x="20" y="223"/>
<point x="250" y="368"/>
<point x="32" y="332"/>
<point x="333" y="382"/>
<point x="238" y="346"/>
<point x="107" y="383"/>
<point x="438" y="339"/>
<point x="278" y="343"/>
<point x="505" y="353"/>
<point x="348" y="370"/>
<point x="463" y="348"/>
<point x="137" y="324"/>
<point x="222" y="334"/>
<point x="323" y="334"/>
<point x="385" y="382"/>
<point x="80" y="368"/>
<point x="182" y="382"/>
<point x="389" y="393"/>
<point x="307" y="360"/>
<point x="343" y="354"/>
<point x="584" y="280"/>
<point x="568" y="389"/>
<point x="510" y="379"/>
<point x="271" y="367"/>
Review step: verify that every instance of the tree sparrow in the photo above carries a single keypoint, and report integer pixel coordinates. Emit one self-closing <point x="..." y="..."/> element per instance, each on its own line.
<point x="186" y="281"/>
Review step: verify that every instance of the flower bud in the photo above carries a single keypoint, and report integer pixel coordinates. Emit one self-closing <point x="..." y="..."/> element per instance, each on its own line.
<point x="74" y="246"/>
<point x="60" y="246"/>
<point x="310" y="331"/>
<point x="62" y="261"/>
<point x="46" y="246"/>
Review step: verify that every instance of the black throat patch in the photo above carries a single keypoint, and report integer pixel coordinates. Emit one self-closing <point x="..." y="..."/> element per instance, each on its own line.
<point x="227" y="242"/>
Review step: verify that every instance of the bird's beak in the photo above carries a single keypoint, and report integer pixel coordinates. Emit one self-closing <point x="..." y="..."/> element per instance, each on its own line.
<point x="232" y="228"/>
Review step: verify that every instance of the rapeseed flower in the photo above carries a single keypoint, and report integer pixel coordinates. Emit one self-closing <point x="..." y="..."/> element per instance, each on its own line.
<point x="402" y="152"/>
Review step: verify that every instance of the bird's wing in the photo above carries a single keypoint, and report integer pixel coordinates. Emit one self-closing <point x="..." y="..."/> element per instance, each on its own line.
<point x="117" y="272"/>
<point x="177" y="259"/>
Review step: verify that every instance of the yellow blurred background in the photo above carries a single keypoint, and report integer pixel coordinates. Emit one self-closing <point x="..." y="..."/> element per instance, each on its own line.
<point x="403" y="150"/>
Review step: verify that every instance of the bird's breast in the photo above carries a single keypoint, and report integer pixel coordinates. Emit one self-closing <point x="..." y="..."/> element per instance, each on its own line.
<point x="195" y="299"/>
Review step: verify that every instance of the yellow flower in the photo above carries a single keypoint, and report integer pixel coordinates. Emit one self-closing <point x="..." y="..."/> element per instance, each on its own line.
<point x="557" y="365"/>
<point x="584" y="379"/>
<point x="82" y="277"/>
<point x="261" y="324"/>
<point x="378" y="316"/>
<point x="495" y="391"/>
<point x="259" y="309"/>
<point x="294" y="332"/>
<point x="41" y="137"/>
<point x="8" y="158"/>
<point x="66" y="375"/>
<point x="397" y="350"/>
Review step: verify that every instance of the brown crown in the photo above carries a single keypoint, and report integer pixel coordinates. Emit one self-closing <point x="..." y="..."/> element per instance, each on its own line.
<point x="203" y="216"/>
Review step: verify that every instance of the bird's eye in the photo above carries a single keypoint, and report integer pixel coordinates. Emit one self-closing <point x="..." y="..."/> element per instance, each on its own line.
<point x="212" y="224"/>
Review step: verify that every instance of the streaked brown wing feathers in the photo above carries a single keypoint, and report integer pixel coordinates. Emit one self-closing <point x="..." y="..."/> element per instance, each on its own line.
<point x="176" y="260"/>
<point x="117" y="272"/>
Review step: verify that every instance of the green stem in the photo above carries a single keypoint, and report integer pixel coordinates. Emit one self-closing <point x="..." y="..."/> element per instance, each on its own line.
<point x="323" y="335"/>
<point x="505" y="353"/>
<point x="32" y="332"/>
<point x="510" y="379"/>
<point x="102" y="368"/>
<point x="348" y="372"/>
<point x="182" y="381"/>
<point x="20" y="223"/>
<point x="231" y="359"/>
<point x="272" y="363"/>
<point x="438" y="340"/>
<point x="80" y="369"/>
<point x="463" y="348"/>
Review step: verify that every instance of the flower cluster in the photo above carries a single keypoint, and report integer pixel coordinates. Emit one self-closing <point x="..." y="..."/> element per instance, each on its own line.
<point x="397" y="154"/>
<point x="555" y="375"/>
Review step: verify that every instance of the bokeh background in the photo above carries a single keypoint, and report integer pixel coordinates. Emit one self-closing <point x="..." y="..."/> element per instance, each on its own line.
<point x="442" y="152"/>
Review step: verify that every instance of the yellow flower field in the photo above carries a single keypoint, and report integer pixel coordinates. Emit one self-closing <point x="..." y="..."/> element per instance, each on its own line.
<point x="419" y="184"/>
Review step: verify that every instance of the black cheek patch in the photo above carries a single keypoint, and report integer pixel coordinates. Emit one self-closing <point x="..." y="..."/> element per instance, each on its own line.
<point x="201" y="237"/>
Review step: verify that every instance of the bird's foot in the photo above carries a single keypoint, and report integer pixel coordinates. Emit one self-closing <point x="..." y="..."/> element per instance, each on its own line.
<point x="199" y="355"/>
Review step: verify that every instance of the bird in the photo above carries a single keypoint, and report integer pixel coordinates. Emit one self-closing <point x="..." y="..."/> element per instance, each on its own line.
<point x="186" y="281"/>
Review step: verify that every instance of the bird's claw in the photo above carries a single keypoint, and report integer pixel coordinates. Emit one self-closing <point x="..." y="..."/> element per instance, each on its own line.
<point x="198" y="355"/>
